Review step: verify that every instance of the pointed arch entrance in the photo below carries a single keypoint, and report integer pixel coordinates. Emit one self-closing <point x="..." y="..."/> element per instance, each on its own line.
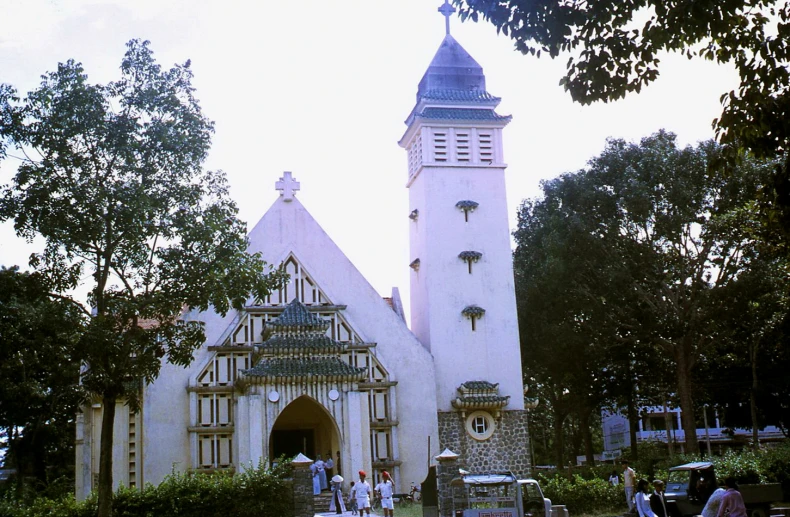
<point x="304" y="426"/>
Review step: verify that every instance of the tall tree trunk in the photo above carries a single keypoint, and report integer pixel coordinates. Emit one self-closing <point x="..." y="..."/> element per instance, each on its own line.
<point x="753" y="395"/>
<point x="683" y="362"/>
<point x="105" y="456"/>
<point x="584" y="421"/>
<point x="559" y="445"/>
<point x="632" y="416"/>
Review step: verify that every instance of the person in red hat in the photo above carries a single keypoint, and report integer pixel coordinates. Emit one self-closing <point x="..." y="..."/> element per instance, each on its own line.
<point x="384" y="490"/>
<point x="361" y="492"/>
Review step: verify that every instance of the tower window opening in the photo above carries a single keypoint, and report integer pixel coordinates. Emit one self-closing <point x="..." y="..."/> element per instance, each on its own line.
<point x="485" y="142"/>
<point x="440" y="146"/>
<point x="462" y="151"/>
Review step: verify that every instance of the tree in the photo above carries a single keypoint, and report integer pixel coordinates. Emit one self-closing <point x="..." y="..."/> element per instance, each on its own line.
<point x="39" y="365"/>
<point x="615" y="48"/>
<point x="658" y="232"/>
<point x="749" y="367"/>
<point x="111" y="177"/>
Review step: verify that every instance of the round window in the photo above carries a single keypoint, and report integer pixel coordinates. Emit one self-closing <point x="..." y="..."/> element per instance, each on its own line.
<point x="480" y="425"/>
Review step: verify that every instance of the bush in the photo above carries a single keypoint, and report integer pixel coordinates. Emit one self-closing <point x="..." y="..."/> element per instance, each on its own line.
<point x="253" y="493"/>
<point x="581" y="495"/>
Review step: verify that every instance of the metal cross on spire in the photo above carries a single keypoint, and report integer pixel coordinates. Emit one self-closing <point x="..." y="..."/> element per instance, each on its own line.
<point x="447" y="10"/>
<point x="287" y="186"/>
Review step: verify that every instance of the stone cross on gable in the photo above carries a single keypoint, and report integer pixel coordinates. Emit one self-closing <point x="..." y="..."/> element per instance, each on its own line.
<point x="447" y="10"/>
<point x="287" y="186"/>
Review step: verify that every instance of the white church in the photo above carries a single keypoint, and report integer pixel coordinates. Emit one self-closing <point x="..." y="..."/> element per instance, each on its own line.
<point x="326" y="364"/>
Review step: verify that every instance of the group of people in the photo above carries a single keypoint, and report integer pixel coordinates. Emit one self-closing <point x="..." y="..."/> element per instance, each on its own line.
<point x="322" y="472"/>
<point x="721" y="502"/>
<point x="360" y="494"/>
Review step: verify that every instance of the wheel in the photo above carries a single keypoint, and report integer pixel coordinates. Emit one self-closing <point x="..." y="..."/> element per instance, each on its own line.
<point x="417" y="497"/>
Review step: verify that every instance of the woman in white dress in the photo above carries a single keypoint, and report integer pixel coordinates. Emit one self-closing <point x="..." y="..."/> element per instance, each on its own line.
<point x="642" y="499"/>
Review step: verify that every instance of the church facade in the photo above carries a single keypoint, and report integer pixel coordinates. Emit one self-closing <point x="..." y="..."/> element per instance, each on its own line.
<point x="325" y="365"/>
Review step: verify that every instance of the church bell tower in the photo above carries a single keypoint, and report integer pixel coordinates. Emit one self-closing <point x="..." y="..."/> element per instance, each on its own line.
<point x="463" y="306"/>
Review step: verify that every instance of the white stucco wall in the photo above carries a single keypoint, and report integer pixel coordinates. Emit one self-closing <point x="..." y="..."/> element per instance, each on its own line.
<point x="288" y="227"/>
<point x="444" y="286"/>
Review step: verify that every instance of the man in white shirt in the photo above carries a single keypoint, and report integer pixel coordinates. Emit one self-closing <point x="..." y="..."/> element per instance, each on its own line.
<point x="384" y="490"/>
<point x="629" y="481"/>
<point x="362" y="493"/>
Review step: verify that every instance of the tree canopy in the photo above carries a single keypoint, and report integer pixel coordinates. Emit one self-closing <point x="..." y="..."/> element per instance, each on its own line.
<point x="615" y="48"/>
<point x="39" y="364"/>
<point x="623" y="264"/>
<point x="111" y="176"/>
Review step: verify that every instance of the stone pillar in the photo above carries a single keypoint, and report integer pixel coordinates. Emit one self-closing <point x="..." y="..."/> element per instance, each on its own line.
<point x="446" y="470"/>
<point x="303" y="486"/>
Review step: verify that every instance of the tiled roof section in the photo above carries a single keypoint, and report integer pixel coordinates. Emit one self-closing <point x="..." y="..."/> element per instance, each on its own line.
<point x="317" y="369"/>
<point x="296" y="317"/>
<point x="479" y="385"/>
<point x="461" y="114"/>
<point x="304" y="344"/>
<point x="481" y="402"/>
<point x="459" y="95"/>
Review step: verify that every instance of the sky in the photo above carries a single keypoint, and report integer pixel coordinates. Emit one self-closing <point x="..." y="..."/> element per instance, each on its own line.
<point x="322" y="88"/>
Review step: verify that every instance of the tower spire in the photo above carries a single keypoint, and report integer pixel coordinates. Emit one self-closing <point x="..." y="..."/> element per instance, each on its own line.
<point x="447" y="10"/>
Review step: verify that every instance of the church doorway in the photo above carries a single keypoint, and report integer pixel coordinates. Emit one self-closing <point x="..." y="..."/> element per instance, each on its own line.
<point x="304" y="426"/>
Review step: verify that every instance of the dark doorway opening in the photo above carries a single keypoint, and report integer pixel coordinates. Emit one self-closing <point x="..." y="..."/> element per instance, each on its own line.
<point x="290" y="442"/>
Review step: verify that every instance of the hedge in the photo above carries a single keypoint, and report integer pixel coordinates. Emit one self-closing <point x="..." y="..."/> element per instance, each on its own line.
<point x="253" y="493"/>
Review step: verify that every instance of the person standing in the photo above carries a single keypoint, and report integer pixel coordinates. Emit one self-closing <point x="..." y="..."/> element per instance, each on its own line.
<point x="657" y="502"/>
<point x="320" y="467"/>
<point x="629" y="480"/>
<point x="362" y="493"/>
<point x="329" y="465"/>
<point x="352" y="499"/>
<point x="614" y="479"/>
<point x="731" y="502"/>
<point x="385" y="490"/>
<point x="714" y="501"/>
<point x="642" y="499"/>
<point x="316" y="479"/>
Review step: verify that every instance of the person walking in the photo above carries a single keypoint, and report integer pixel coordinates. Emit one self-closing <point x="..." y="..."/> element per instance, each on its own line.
<point x="642" y="499"/>
<point x="731" y="502"/>
<point x="657" y="502"/>
<point x="384" y="490"/>
<point x="337" y="505"/>
<point x="629" y="481"/>
<point x="362" y="493"/>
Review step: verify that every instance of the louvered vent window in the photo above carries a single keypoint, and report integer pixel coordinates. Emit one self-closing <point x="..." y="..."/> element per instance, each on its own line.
<point x="415" y="155"/>
<point x="440" y="146"/>
<point x="486" y="143"/>
<point x="462" y="152"/>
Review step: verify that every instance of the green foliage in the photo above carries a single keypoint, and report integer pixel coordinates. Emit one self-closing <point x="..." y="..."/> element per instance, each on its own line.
<point x="39" y="365"/>
<point x="615" y="48"/>
<point x="619" y="266"/>
<point x="253" y="493"/>
<point x="112" y="179"/>
<point x="582" y="495"/>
